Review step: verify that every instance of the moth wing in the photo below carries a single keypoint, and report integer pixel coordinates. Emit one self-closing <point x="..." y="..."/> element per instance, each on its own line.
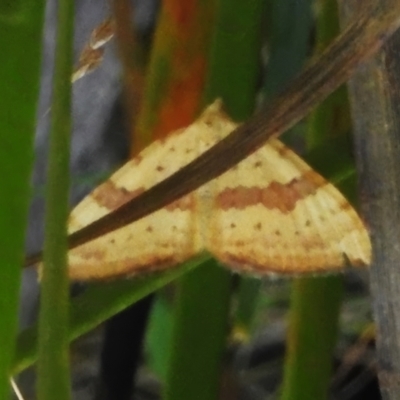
<point x="160" y="240"/>
<point x="273" y="214"/>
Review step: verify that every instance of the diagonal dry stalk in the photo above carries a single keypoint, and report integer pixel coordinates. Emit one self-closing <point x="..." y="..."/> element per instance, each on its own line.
<point x="361" y="39"/>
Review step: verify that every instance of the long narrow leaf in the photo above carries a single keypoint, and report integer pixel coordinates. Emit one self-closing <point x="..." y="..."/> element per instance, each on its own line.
<point x="53" y="366"/>
<point x="175" y="81"/>
<point x="316" y="301"/>
<point x="203" y="309"/>
<point x="21" y="24"/>
<point x="97" y="304"/>
<point x="199" y="333"/>
<point x="290" y="24"/>
<point x="177" y="69"/>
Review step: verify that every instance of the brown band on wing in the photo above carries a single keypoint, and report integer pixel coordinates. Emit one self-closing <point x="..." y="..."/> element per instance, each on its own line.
<point x="110" y="196"/>
<point x="276" y="195"/>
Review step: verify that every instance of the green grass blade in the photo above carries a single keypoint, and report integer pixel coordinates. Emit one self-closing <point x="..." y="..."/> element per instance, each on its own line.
<point x="98" y="303"/>
<point x="234" y="64"/>
<point x="21" y="24"/>
<point x="53" y="366"/>
<point x="203" y="306"/>
<point x="289" y="24"/>
<point x="247" y="298"/>
<point x="312" y="336"/>
<point x="288" y="29"/>
<point x="332" y="118"/>
<point x="199" y="334"/>
<point x="316" y="301"/>
<point x="159" y="334"/>
<point x="172" y="99"/>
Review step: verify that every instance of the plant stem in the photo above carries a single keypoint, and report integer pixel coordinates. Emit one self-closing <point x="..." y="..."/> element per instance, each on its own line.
<point x="202" y="314"/>
<point x="53" y="366"/>
<point x="21" y="25"/>
<point x="374" y="96"/>
<point x="316" y="301"/>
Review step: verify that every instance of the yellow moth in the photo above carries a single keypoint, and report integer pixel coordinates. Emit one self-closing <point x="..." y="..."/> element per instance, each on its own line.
<point x="271" y="213"/>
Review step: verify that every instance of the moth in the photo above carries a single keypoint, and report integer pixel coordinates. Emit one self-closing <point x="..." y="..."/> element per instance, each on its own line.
<point x="271" y="213"/>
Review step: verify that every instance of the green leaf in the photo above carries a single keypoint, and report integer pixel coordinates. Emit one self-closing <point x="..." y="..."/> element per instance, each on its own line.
<point x="53" y="366"/>
<point x="98" y="303"/>
<point x="21" y="24"/>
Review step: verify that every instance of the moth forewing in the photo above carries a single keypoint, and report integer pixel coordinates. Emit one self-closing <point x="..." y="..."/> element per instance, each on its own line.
<point x="271" y="213"/>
